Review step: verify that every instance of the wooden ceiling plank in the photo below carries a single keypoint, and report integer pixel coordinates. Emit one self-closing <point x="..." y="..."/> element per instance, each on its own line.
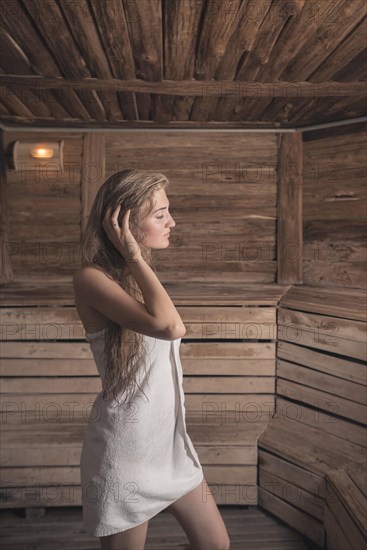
<point x="195" y="88"/>
<point x="144" y="22"/>
<point x="260" y="106"/>
<point x="355" y="70"/>
<point x="305" y="110"/>
<point x="344" y="106"/>
<point x="26" y="96"/>
<point x="307" y="107"/>
<point x="18" y="24"/>
<point x="37" y="107"/>
<point x="326" y="39"/>
<point x="343" y="54"/>
<point x="13" y="59"/>
<point x="348" y="49"/>
<point x="251" y="16"/>
<point x="115" y="39"/>
<point x="271" y="28"/>
<point x="182" y="22"/>
<point x="3" y="109"/>
<point x="280" y="109"/>
<point x="219" y="23"/>
<point x="13" y="104"/>
<point x="85" y="34"/>
<point x="49" y="21"/>
<point x="320" y="109"/>
<point x="181" y="29"/>
<point x="13" y="122"/>
<point x="313" y="16"/>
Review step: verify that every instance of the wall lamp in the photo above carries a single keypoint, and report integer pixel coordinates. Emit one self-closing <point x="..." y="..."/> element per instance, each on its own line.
<point x="36" y="155"/>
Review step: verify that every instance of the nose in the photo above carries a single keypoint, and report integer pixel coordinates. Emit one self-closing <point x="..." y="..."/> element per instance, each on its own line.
<point x="172" y="222"/>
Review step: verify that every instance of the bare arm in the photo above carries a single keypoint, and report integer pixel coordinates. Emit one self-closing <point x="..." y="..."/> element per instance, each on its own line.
<point x="157" y="301"/>
<point x="106" y="296"/>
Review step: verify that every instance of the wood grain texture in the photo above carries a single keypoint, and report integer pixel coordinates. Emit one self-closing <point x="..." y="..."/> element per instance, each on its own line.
<point x="288" y="63"/>
<point x="289" y="209"/>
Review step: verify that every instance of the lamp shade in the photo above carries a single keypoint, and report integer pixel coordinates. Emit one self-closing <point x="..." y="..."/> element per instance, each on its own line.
<point x="37" y="155"/>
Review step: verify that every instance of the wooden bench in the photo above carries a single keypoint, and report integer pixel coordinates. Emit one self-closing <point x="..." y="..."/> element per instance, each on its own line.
<point x="49" y="382"/>
<point x="319" y="426"/>
<point x="345" y="514"/>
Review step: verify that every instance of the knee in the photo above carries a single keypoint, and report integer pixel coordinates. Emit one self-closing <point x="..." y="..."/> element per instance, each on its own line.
<point x="222" y="544"/>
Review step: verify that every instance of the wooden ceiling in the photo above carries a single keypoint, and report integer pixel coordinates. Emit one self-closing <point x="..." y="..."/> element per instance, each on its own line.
<point x="194" y="63"/>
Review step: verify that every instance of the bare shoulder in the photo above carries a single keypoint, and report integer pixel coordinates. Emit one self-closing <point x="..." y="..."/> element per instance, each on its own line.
<point x="88" y="273"/>
<point x="90" y="279"/>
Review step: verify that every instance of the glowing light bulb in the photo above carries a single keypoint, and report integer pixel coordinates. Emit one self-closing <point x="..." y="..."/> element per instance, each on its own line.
<point x="42" y="152"/>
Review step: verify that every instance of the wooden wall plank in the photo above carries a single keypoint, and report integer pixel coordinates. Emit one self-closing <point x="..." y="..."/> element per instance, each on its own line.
<point x="92" y="172"/>
<point x="289" y="217"/>
<point x="6" y="271"/>
<point x="335" y="209"/>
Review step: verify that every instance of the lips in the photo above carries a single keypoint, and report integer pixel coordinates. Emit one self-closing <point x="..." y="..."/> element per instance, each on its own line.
<point x="167" y="235"/>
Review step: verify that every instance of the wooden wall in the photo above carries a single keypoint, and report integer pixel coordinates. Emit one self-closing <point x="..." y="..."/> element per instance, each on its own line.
<point x="334" y="207"/>
<point x="44" y="213"/>
<point x="223" y="197"/>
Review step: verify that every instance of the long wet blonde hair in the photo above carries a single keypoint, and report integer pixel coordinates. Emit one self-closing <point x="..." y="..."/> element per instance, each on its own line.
<point x="125" y="348"/>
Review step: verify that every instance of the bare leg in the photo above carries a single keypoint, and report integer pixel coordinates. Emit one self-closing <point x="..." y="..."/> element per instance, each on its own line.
<point x="198" y="514"/>
<point x="131" y="539"/>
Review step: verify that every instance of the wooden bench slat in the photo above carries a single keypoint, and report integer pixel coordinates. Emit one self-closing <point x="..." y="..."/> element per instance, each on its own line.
<point x="319" y="399"/>
<point x="357" y="472"/>
<point x="332" y="334"/>
<point x="307" y="447"/>
<point x="305" y="479"/>
<point x="333" y="386"/>
<point x="291" y="493"/>
<point x="346" y="369"/>
<point x="322" y="420"/>
<point x="341" y="302"/>
<point x="349" y="493"/>
<point x="292" y="516"/>
<point x="335" y="537"/>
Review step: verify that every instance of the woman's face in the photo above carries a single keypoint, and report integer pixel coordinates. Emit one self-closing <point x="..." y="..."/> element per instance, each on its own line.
<point x="158" y="224"/>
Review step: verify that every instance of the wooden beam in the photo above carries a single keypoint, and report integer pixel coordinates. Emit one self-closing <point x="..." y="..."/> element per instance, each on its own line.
<point x="202" y="88"/>
<point x="289" y="216"/>
<point x="93" y="173"/>
<point x="12" y="123"/>
<point x="6" y="272"/>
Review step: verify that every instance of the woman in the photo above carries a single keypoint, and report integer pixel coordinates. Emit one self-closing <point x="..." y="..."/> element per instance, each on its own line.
<point x="137" y="458"/>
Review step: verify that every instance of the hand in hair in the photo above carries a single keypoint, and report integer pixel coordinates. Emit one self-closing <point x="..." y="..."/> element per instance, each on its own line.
<point x="121" y="238"/>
